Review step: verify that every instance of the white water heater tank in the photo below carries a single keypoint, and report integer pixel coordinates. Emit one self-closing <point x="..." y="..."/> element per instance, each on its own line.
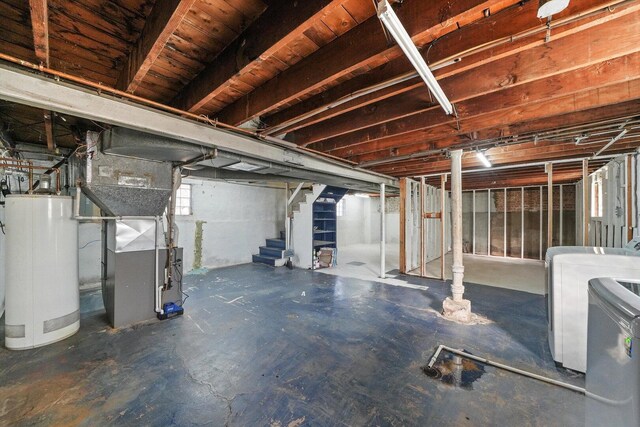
<point x="42" y="302"/>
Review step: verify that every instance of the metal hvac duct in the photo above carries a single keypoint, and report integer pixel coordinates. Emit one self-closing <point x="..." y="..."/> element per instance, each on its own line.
<point x="124" y="186"/>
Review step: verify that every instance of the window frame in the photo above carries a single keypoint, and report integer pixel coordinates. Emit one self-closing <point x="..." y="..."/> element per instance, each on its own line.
<point x="184" y="203"/>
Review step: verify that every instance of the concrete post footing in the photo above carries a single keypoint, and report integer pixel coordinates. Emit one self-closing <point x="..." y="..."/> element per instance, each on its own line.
<point x="458" y="311"/>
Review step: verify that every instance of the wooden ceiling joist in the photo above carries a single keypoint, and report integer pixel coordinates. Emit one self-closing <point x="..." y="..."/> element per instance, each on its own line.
<point x="419" y="142"/>
<point x="325" y="74"/>
<point x="562" y="151"/>
<point x="281" y="24"/>
<point x="494" y="36"/>
<point x="580" y="101"/>
<point x="361" y="49"/>
<point x="163" y="20"/>
<point x="40" y="26"/>
<point x="558" y="68"/>
<point x="39" y="12"/>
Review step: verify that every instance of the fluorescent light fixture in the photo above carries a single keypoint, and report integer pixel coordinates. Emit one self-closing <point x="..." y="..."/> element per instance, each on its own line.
<point x="363" y="195"/>
<point x="394" y="26"/>
<point x="483" y="158"/>
<point x="244" y="166"/>
<point x="546" y="8"/>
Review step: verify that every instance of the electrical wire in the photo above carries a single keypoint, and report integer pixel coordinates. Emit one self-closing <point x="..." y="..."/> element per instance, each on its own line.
<point x="183" y="294"/>
<point x="88" y="243"/>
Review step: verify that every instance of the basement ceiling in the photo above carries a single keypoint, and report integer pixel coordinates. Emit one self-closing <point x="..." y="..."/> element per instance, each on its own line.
<point x="324" y="75"/>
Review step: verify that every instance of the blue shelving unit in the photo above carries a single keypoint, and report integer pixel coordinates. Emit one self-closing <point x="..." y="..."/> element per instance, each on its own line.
<point x="325" y="221"/>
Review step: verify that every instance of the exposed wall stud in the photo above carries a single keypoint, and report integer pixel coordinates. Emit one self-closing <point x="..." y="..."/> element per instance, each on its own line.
<point x="522" y="222"/>
<point x="549" y="170"/>
<point x="585" y="202"/>
<point x="473" y="209"/>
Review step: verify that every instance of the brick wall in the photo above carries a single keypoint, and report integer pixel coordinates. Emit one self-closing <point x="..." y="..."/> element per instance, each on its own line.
<point x="532" y="199"/>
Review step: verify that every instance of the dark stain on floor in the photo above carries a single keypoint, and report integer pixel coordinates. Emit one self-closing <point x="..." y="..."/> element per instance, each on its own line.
<point x="455" y="371"/>
<point x="261" y="346"/>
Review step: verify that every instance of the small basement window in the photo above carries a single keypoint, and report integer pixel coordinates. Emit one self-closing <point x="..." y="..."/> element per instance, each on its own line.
<point x="183" y="200"/>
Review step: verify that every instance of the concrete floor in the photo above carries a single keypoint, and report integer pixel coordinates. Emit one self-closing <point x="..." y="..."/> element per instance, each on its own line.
<point x="279" y="347"/>
<point x="511" y="273"/>
<point x="362" y="261"/>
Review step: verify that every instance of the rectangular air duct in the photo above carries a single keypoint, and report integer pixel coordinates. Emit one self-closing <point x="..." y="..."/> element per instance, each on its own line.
<point x="124" y="186"/>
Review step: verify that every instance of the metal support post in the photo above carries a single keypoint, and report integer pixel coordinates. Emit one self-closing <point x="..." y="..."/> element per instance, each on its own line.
<point x="382" y="232"/>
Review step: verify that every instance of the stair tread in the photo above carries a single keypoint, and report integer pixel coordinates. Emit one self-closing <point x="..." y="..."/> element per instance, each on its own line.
<point x="266" y="256"/>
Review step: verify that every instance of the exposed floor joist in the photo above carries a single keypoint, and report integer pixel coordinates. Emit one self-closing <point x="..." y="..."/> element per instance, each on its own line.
<point x="325" y="74"/>
<point x="160" y="25"/>
<point x="41" y="92"/>
<point x="281" y="24"/>
<point x="364" y="47"/>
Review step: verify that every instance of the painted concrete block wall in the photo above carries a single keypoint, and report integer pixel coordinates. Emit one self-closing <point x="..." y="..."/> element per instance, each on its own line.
<point x="351" y="226"/>
<point x="235" y="221"/>
<point x="360" y="223"/>
<point x="392" y="220"/>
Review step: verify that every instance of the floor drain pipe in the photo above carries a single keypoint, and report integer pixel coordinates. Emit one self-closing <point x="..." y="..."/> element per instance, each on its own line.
<point x="502" y="366"/>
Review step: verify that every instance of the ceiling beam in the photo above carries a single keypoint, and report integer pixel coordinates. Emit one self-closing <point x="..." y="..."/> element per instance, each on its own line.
<point x="282" y="23"/>
<point x="558" y="152"/>
<point x="42" y="92"/>
<point x="40" y="26"/>
<point x="583" y="60"/>
<point x="39" y="12"/>
<point x="516" y="153"/>
<point x="542" y="92"/>
<point x="579" y="101"/>
<point x="419" y="141"/>
<point x="48" y="130"/>
<point x="163" y="20"/>
<point x="363" y="47"/>
<point x="590" y="99"/>
<point x="493" y="34"/>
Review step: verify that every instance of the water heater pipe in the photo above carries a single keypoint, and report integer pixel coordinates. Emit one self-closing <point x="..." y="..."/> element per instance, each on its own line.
<point x="8" y="162"/>
<point x="158" y="289"/>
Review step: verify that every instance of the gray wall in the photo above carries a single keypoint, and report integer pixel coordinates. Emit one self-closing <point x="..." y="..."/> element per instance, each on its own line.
<point x="361" y="221"/>
<point x="236" y="221"/>
<point x="352" y="225"/>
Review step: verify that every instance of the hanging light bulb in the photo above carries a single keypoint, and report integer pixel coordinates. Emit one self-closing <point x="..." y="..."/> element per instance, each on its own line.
<point x="546" y="8"/>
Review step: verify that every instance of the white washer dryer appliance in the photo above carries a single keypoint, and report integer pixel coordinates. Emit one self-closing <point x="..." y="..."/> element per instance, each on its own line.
<point x="569" y="269"/>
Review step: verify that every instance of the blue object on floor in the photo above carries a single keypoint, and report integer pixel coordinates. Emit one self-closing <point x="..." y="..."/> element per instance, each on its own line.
<point x="170" y="309"/>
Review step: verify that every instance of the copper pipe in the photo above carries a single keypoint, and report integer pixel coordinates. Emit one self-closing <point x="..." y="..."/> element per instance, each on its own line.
<point x="214" y="123"/>
<point x="58" y="186"/>
<point x="22" y="164"/>
<point x="30" y="177"/>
